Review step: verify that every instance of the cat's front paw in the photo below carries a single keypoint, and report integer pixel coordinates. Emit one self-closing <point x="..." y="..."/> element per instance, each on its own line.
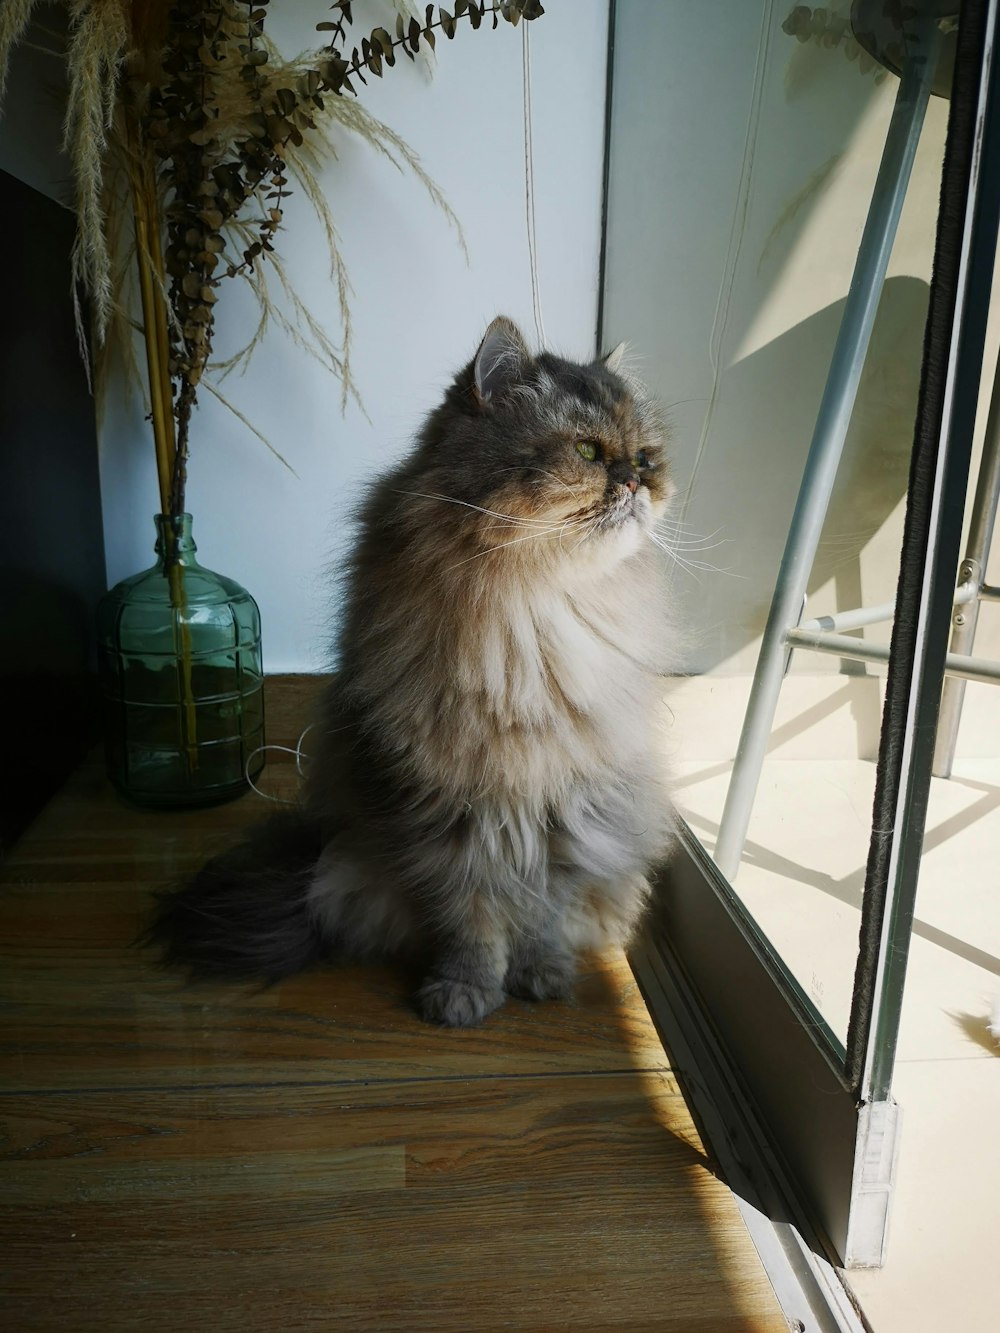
<point x="457" y="1004"/>
<point x="547" y="978"/>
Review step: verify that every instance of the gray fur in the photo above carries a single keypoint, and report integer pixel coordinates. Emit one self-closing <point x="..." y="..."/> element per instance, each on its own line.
<point x="488" y="783"/>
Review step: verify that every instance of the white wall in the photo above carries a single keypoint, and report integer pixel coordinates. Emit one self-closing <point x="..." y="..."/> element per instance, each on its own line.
<point x="418" y="310"/>
<point x="742" y="170"/>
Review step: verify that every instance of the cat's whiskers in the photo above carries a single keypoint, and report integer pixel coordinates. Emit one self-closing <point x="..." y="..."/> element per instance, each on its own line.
<point x="681" y="533"/>
<point x="554" y="526"/>
<point x="530" y="467"/>
<point x="589" y="526"/>
<point x="492" y="550"/>
<point x="570" y="523"/>
<point x="690" y="565"/>
<point x="491" y="513"/>
<point x="694" y="543"/>
<point x="677" y="558"/>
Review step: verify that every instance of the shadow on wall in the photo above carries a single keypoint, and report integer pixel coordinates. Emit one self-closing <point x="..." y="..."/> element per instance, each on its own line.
<point x="749" y="475"/>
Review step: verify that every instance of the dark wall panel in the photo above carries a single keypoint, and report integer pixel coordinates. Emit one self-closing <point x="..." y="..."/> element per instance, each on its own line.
<point x="51" y="540"/>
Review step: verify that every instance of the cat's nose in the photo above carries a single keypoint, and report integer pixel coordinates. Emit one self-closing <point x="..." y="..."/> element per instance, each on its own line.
<point x="623" y="474"/>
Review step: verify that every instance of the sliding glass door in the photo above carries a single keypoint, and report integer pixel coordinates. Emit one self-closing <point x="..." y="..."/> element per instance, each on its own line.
<point x="814" y="323"/>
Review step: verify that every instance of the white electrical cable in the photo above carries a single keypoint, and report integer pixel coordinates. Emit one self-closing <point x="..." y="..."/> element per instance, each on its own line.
<point x="283" y="749"/>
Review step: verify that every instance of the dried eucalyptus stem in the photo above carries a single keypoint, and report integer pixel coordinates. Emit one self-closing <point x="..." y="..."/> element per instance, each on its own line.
<point x="213" y="175"/>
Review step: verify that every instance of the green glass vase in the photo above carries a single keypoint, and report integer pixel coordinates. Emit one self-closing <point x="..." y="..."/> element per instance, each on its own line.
<point x="181" y="679"/>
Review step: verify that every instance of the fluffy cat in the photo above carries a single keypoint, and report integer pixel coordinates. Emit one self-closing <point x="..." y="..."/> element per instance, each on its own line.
<point x="487" y="789"/>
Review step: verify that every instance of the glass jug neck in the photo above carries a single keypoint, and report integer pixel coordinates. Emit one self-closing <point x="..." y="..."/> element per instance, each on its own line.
<point x="174" y="543"/>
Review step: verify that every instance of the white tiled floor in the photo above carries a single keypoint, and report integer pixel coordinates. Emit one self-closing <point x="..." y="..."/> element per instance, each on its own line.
<point x="802" y="877"/>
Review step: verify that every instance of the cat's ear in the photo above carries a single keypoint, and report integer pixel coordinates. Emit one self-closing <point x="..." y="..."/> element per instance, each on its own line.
<point x="614" y="359"/>
<point x="501" y="359"/>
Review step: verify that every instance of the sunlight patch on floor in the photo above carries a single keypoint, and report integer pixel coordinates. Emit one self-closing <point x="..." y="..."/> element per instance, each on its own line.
<point x="802" y="877"/>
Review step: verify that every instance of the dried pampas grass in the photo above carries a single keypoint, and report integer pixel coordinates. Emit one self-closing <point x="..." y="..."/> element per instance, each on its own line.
<point x="99" y="38"/>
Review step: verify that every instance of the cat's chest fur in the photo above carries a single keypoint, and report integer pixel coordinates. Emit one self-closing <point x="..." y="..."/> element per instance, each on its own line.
<point x="542" y="656"/>
<point x="547" y="687"/>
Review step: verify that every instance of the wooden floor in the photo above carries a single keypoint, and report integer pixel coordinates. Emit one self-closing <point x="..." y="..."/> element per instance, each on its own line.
<point x="314" y="1156"/>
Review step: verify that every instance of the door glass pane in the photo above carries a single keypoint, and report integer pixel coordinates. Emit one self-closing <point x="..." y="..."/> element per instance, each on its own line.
<point x="743" y="158"/>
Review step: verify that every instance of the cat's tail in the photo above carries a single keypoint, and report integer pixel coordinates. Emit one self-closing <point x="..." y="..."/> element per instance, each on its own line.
<point x="246" y="913"/>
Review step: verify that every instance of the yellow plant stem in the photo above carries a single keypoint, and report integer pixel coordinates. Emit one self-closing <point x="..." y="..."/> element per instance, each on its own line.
<point x="189" y="717"/>
<point x="149" y="263"/>
<point x="160" y="327"/>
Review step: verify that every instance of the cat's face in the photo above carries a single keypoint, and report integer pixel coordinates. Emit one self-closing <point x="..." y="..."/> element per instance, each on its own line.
<point x="570" y="455"/>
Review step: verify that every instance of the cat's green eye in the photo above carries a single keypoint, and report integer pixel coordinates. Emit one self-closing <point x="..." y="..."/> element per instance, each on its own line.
<point x="641" y="460"/>
<point x="588" y="449"/>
